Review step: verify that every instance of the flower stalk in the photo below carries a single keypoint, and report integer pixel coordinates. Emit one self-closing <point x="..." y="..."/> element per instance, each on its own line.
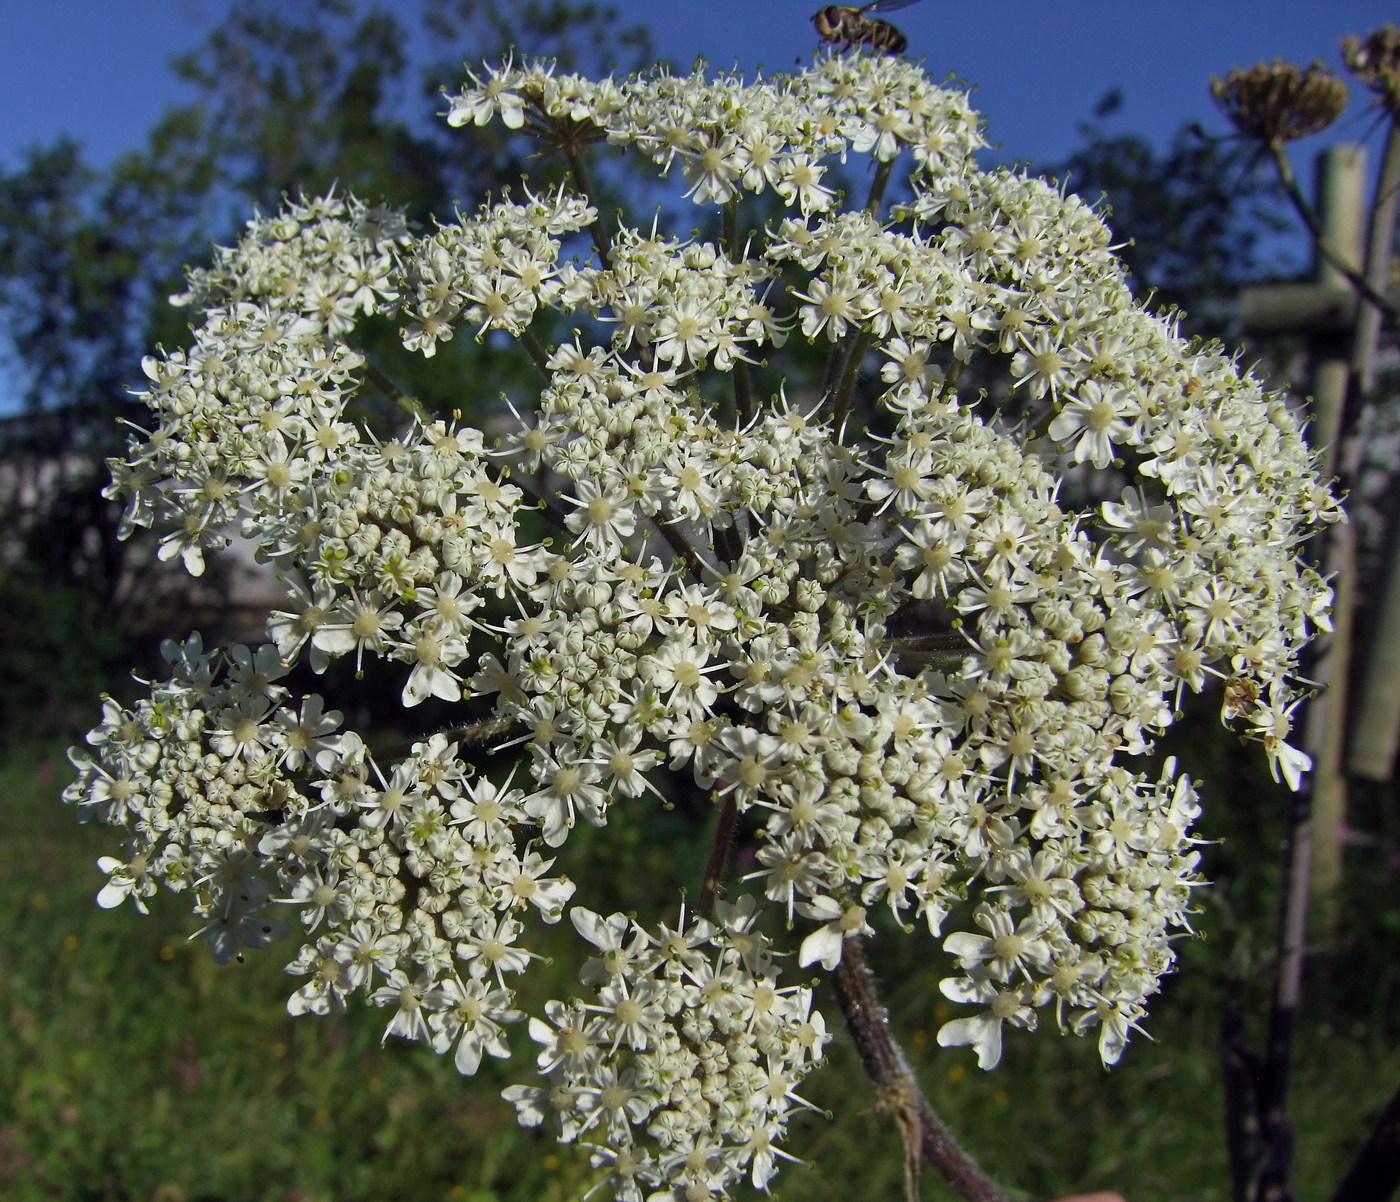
<point x="894" y="1081"/>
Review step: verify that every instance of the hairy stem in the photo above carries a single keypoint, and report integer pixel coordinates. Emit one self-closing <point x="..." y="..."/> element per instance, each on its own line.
<point x="535" y="349"/>
<point x="719" y="856"/>
<point x="728" y="544"/>
<point x="731" y="230"/>
<point x="941" y="653"/>
<point x="743" y="394"/>
<point x="533" y="484"/>
<point x="832" y="371"/>
<point x="686" y="553"/>
<point x="895" y="1083"/>
<point x="1380" y="241"/>
<point x="877" y="187"/>
<point x="855" y="352"/>
<point x="402" y="400"/>
<point x="1275" y="1175"/>
<point x="739" y="375"/>
<point x="578" y="164"/>
<point x="474" y="734"/>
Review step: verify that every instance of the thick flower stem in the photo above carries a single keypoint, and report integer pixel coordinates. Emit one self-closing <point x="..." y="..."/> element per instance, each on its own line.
<point x="685" y="553"/>
<point x="739" y="374"/>
<point x="855" y="351"/>
<point x="1324" y="248"/>
<point x="535" y="349"/>
<point x="578" y="164"/>
<point x="877" y="187"/>
<point x="719" y="856"/>
<point x="481" y="734"/>
<point x="895" y="1083"/>
<point x="408" y="404"/>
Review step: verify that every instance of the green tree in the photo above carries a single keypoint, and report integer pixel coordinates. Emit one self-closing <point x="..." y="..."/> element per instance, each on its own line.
<point x="1196" y="220"/>
<point x="305" y="95"/>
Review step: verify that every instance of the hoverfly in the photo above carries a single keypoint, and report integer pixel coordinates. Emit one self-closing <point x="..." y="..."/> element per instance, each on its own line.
<point x="843" y="26"/>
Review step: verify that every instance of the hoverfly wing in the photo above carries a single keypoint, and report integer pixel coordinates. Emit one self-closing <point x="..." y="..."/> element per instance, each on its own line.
<point x="886" y="6"/>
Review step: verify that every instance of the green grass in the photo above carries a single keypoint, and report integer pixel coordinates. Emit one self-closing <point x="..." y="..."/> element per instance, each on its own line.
<point x="134" y="1068"/>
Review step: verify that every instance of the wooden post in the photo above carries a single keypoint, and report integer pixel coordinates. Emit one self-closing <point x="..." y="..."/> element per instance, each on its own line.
<point x="1327" y="309"/>
<point x="1341" y="204"/>
<point x="1376" y="729"/>
<point x="1375" y="733"/>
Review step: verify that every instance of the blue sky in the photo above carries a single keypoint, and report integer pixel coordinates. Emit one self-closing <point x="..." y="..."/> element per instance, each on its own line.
<point x="96" y="69"/>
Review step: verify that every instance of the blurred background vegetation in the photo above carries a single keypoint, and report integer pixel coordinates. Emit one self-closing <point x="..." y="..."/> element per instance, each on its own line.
<point x="136" y="1069"/>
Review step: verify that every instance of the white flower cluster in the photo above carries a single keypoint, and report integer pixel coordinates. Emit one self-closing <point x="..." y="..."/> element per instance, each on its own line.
<point x="872" y="619"/>
<point x="690" y="1039"/>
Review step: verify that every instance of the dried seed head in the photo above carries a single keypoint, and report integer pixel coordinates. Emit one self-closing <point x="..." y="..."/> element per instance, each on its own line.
<point x="1277" y="103"/>
<point x="1375" y="61"/>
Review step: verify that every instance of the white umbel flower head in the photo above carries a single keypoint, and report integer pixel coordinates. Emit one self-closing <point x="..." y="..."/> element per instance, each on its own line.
<point x="798" y="551"/>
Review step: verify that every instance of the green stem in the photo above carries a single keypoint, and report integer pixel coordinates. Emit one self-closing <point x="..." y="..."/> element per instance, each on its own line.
<point x="841" y="364"/>
<point x="833" y="369"/>
<point x="1380" y="241"/>
<point x="719" y="856"/>
<point x="855" y="352"/>
<point x="952" y="376"/>
<point x="548" y="506"/>
<point x="945" y="651"/>
<point x="896" y="1087"/>
<point x="731" y="230"/>
<point x="536" y="351"/>
<point x="683" y="549"/>
<point x="727" y="545"/>
<point x="584" y="183"/>
<point x="475" y="734"/>
<point x="743" y="394"/>
<point x="401" y="399"/>
<point x="739" y="376"/>
<point x="1325" y="248"/>
<point x="877" y="187"/>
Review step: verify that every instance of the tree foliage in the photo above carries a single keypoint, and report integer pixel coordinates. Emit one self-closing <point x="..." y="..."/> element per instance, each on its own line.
<point x="1196" y="220"/>
<point x="296" y="96"/>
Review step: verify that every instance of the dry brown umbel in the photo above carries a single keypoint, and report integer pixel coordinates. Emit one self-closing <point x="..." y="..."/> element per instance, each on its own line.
<point x="1278" y="103"/>
<point x="1375" y="61"/>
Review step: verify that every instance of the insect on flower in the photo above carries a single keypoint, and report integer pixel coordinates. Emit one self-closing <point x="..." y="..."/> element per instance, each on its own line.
<point x="840" y="25"/>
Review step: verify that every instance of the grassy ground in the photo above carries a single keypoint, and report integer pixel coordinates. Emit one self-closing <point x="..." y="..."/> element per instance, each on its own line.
<point x="136" y="1069"/>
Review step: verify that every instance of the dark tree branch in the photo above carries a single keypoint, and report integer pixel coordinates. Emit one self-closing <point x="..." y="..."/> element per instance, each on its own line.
<point x="1239" y="1069"/>
<point x="1274" y="1182"/>
<point x="1374" y="1175"/>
